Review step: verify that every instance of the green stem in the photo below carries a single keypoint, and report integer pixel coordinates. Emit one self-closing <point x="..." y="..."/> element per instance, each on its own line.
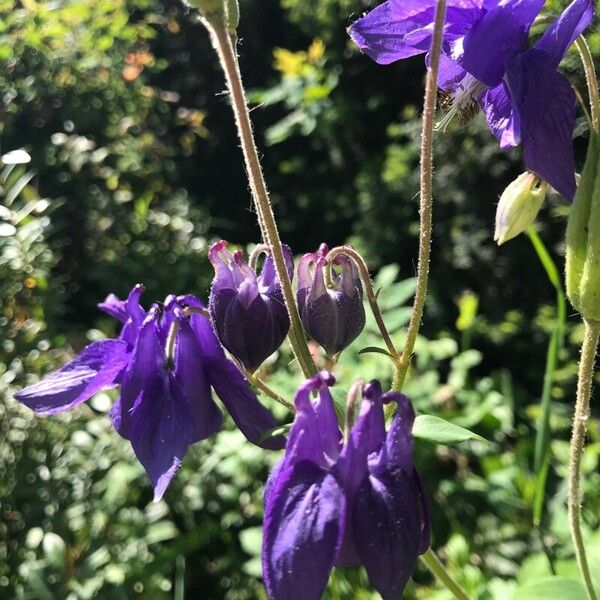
<point x="542" y="440"/>
<point x="425" y="198"/>
<point x="433" y="563"/>
<point x="429" y="558"/>
<point x="580" y="420"/>
<point x="229" y="62"/>
<point x="265" y="389"/>
<point x="592" y="81"/>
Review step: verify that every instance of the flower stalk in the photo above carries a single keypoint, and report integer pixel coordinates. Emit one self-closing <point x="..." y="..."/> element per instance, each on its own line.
<point x="433" y="563"/>
<point x="580" y="420"/>
<point x="425" y="198"/>
<point x="228" y="59"/>
<point x="429" y="558"/>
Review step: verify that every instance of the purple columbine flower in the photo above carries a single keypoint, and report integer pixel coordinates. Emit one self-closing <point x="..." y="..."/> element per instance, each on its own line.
<point x="333" y="317"/>
<point x="345" y="502"/>
<point x="248" y="312"/>
<point x="486" y="62"/>
<point x="166" y="402"/>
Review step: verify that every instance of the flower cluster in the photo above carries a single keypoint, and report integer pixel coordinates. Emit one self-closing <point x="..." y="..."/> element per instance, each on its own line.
<point x="346" y="501"/>
<point x="166" y="363"/>
<point x="487" y="62"/>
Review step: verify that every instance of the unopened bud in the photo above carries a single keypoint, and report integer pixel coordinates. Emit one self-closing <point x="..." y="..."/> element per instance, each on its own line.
<point x="583" y="238"/>
<point x="247" y="310"/>
<point x="519" y="205"/>
<point x="333" y="317"/>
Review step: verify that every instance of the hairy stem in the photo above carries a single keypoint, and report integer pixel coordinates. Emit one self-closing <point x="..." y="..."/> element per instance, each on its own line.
<point x="425" y="197"/>
<point x="429" y="558"/>
<point x="363" y="270"/>
<point x="580" y="420"/>
<point x="229" y="62"/>
<point x="592" y="81"/>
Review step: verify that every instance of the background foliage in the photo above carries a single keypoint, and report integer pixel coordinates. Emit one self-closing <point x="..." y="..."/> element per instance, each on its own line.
<point x="135" y="170"/>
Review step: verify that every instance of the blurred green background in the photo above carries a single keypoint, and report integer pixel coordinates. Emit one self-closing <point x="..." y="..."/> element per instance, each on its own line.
<point x="136" y="169"/>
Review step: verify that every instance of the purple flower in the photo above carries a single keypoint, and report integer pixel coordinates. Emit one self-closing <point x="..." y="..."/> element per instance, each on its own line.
<point x="352" y="502"/>
<point x="333" y="317"/>
<point x="166" y="402"/>
<point x="248" y="312"/>
<point x="486" y="62"/>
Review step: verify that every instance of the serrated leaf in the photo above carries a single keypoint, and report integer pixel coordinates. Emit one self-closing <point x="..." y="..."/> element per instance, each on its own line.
<point x="375" y="350"/>
<point x="439" y="431"/>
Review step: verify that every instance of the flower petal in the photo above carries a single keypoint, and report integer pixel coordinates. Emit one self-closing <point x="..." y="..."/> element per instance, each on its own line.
<point x="380" y="33"/>
<point x="143" y="366"/>
<point x="450" y="73"/>
<point x="302" y="529"/>
<point x="559" y="37"/>
<point x="154" y="411"/>
<point x="203" y="330"/>
<point x="160" y="428"/>
<point x="97" y="366"/>
<point x="496" y="39"/>
<point x="253" y="419"/>
<point x="547" y="108"/>
<point x="128" y="311"/>
<point x="366" y="437"/>
<point x="191" y="378"/>
<point x="399" y="441"/>
<point x="504" y="122"/>
<point x="387" y="530"/>
<point x="268" y="279"/>
<point x="315" y="433"/>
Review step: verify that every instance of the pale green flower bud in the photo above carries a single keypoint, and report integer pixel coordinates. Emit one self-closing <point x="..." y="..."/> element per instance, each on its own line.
<point x="583" y="238"/>
<point x="519" y="205"/>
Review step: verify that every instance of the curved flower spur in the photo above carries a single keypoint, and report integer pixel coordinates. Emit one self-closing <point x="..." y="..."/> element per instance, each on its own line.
<point x="248" y="311"/>
<point x="332" y="315"/>
<point x="344" y="500"/>
<point x="166" y="363"/>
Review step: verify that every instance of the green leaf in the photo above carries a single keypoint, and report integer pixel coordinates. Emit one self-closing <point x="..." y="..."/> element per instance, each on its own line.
<point x="552" y="587"/>
<point x="160" y="532"/>
<point x="374" y="349"/>
<point x="439" y="431"/>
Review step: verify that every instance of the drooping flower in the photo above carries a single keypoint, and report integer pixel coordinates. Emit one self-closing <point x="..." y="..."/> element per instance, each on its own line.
<point x="486" y="62"/>
<point x="165" y="403"/>
<point x="341" y="502"/>
<point x="333" y="317"/>
<point x="247" y="310"/>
